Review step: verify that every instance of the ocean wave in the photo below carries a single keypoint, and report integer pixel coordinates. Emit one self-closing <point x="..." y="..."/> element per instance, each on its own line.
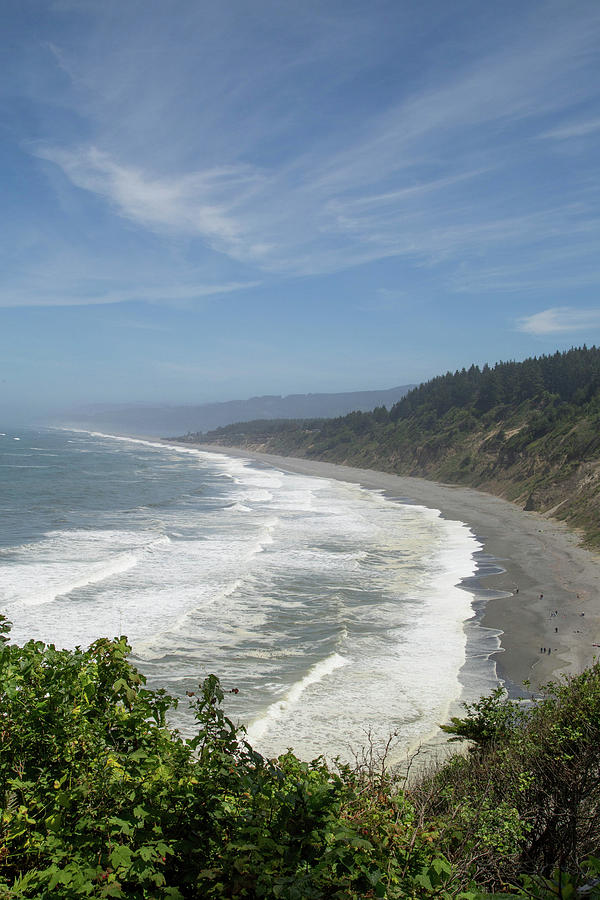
<point x="280" y="708"/>
<point x="17" y="466"/>
<point x="35" y="594"/>
<point x="162" y="642"/>
<point x="41" y="572"/>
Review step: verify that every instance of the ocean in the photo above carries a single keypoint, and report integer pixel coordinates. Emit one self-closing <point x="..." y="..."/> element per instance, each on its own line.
<point x="337" y="612"/>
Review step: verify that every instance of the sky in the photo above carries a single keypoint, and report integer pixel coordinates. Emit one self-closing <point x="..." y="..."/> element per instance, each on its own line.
<point x="208" y="201"/>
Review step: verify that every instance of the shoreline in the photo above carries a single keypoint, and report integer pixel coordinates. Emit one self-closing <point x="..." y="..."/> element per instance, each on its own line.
<point x="535" y="566"/>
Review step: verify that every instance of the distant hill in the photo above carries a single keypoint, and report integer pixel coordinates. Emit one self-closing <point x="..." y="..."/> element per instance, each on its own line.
<point x="527" y="431"/>
<point x="161" y="420"/>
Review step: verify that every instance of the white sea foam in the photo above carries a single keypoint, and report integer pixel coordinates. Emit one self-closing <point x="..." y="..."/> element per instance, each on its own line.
<point x="18" y="466"/>
<point x="66" y="562"/>
<point x="410" y="668"/>
<point x="333" y="609"/>
<point x="276" y="710"/>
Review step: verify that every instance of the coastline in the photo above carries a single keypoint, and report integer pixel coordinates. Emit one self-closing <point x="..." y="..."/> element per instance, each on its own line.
<point x="521" y="550"/>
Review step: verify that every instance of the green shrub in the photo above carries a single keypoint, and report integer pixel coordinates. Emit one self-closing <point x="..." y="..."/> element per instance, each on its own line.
<point x="527" y="800"/>
<point x="100" y="798"/>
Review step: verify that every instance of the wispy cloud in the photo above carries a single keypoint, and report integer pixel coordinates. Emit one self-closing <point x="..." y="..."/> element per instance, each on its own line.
<point x="274" y="161"/>
<point x="562" y="258"/>
<point x="414" y="180"/>
<point x="193" y="203"/>
<point x="573" y="130"/>
<point x="560" y="320"/>
<point x="79" y="294"/>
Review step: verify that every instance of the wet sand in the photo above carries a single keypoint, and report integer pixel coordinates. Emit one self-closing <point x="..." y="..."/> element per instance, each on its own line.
<point x="540" y="557"/>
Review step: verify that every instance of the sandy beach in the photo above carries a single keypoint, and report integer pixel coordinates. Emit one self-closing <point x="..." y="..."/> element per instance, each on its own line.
<point x="549" y="585"/>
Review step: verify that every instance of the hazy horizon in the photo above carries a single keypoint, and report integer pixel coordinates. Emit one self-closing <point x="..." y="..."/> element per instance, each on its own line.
<point x="209" y="203"/>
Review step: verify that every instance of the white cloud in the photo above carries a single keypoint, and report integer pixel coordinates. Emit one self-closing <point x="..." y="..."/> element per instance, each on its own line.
<point x="196" y="203"/>
<point x="560" y="320"/>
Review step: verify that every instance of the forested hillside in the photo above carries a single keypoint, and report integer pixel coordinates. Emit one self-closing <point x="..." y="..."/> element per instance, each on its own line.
<point x="528" y="431"/>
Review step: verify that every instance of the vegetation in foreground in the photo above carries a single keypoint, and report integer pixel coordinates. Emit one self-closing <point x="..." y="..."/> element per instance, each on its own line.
<point x="528" y="431"/>
<point x="100" y="798"/>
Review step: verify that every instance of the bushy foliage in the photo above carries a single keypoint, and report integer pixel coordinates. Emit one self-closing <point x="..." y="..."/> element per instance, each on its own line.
<point x="527" y="798"/>
<point x="489" y="720"/>
<point x="99" y="798"/>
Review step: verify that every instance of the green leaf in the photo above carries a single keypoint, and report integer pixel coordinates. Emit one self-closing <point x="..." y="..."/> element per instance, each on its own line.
<point x="121" y="857"/>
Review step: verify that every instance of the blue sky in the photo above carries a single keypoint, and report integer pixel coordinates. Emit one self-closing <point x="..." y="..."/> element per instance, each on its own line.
<point x="206" y="201"/>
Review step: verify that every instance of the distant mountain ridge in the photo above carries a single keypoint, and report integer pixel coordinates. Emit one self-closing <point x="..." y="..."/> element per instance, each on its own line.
<point x="161" y="420"/>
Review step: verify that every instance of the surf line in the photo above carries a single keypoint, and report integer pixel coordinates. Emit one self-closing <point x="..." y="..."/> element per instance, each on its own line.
<point x="320" y="670"/>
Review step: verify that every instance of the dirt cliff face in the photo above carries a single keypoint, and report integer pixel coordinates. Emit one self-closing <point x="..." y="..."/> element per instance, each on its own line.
<point x="574" y="498"/>
<point x="553" y="485"/>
